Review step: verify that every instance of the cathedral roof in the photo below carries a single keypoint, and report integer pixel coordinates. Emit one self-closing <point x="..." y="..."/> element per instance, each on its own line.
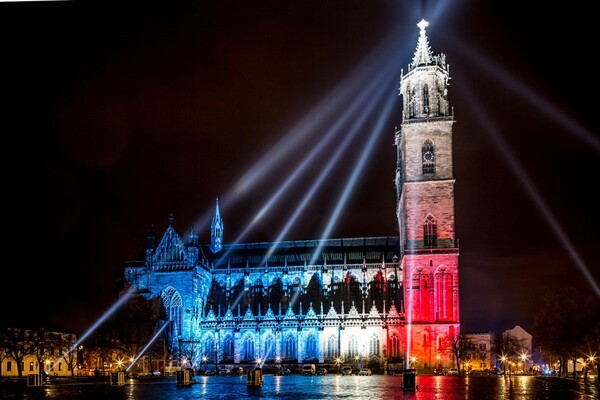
<point x="298" y="253"/>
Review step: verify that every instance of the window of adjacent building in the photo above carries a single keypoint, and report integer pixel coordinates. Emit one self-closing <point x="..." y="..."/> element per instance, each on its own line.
<point x="8" y="366"/>
<point x="31" y="366"/>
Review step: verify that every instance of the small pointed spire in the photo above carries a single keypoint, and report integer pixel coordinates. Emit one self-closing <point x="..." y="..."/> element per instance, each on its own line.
<point x="171" y="218"/>
<point x="216" y="230"/>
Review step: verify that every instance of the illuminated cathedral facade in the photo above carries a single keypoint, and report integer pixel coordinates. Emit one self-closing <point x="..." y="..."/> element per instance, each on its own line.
<point x="390" y="300"/>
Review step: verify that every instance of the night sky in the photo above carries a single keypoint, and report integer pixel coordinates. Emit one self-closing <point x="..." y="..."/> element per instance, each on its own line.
<point x="115" y="116"/>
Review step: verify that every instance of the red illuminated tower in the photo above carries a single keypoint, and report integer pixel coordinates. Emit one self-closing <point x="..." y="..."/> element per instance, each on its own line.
<point x="425" y="211"/>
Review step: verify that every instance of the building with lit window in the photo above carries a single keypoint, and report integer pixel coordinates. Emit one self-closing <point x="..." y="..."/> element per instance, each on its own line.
<point x="480" y="354"/>
<point x="36" y="351"/>
<point x="369" y="300"/>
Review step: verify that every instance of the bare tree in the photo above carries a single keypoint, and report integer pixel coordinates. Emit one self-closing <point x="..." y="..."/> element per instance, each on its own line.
<point x="509" y="348"/>
<point x="459" y="348"/>
<point x="568" y="326"/>
<point x="17" y="345"/>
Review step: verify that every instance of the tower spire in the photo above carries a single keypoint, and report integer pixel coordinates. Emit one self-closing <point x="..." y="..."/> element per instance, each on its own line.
<point x="423" y="55"/>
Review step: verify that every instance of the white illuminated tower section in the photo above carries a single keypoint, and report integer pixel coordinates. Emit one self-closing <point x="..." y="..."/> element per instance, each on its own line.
<point x="425" y="211"/>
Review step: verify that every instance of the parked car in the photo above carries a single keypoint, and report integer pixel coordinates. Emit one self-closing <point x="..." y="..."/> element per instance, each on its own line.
<point x="347" y="370"/>
<point x="309" y="369"/>
<point x="452" y="371"/>
<point x="439" y="371"/>
<point x="322" y="371"/>
<point x="365" y="372"/>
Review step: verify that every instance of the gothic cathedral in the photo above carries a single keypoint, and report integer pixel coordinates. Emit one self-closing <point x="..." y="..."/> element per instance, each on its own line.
<point x="388" y="302"/>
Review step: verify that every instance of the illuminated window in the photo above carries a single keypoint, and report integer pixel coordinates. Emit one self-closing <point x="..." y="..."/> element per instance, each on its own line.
<point x="394" y="346"/>
<point x="425" y="99"/>
<point x="428" y="157"/>
<point x="353" y="346"/>
<point x="430" y="232"/>
<point x="374" y="345"/>
<point x="269" y="348"/>
<point x="31" y="366"/>
<point x="209" y="348"/>
<point x="311" y="347"/>
<point x="290" y="348"/>
<point x="411" y="102"/>
<point x="248" y="349"/>
<point x="332" y="347"/>
<point x="228" y="347"/>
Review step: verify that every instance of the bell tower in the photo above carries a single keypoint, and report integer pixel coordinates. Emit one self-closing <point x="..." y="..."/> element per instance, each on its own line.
<point x="425" y="208"/>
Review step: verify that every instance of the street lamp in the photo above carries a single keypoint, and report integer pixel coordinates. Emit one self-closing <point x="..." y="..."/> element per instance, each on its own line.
<point x="503" y="359"/>
<point x="524" y="361"/>
<point x="204" y="360"/>
<point x="438" y="358"/>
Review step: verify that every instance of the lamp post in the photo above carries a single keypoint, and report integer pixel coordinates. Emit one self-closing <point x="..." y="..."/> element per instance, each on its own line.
<point x="503" y="359"/>
<point x="278" y="365"/>
<point x="438" y="358"/>
<point x="204" y="359"/>
<point x="524" y="361"/>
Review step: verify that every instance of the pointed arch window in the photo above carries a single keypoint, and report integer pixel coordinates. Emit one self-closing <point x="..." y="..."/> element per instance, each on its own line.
<point x="394" y="346"/>
<point x="353" y="346"/>
<point x="269" y="348"/>
<point x="290" y="348"/>
<point x="428" y="157"/>
<point x="228" y="350"/>
<point x="430" y="238"/>
<point x="311" y="347"/>
<point x="173" y="304"/>
<point x="425" y="99"/>
<point x="332" y="347"/>
<point x="248" y="349"/>
<point x="209" y="349"/>
<point x="411" y="103"/>
<point x="374" y="346"/>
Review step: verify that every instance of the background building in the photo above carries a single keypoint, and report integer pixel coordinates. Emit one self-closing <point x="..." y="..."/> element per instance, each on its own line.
<point x="481" y="353"/>
<point x="30" y="351"/>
